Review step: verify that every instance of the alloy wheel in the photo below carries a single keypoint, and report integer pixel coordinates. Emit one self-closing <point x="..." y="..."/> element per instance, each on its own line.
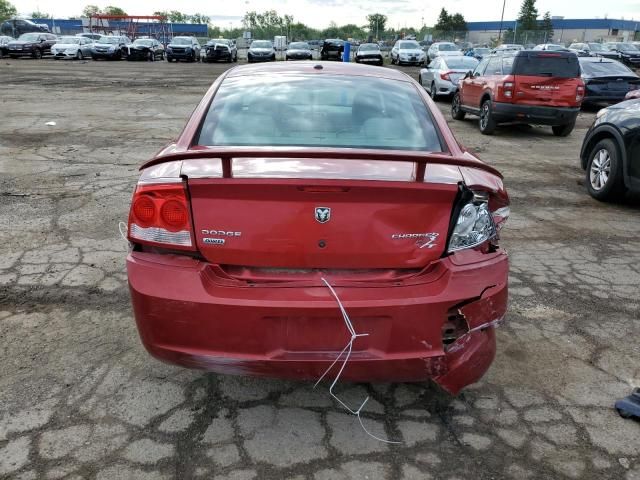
<point x="484" y="115"/>
<point x="600" y="169"/>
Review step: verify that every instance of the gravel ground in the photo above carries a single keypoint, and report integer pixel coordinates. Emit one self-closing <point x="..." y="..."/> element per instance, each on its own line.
<point x="80" y="398"/>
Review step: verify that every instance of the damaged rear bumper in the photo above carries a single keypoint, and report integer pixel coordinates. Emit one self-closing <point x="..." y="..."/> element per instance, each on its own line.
<point x="188" y="314"/>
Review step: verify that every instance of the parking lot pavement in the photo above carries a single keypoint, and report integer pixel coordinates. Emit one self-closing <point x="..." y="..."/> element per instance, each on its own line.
<point x="80" y="398"/>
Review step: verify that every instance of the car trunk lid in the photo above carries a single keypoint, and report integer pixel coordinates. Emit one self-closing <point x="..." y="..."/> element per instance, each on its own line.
<point x="314" y="223"/>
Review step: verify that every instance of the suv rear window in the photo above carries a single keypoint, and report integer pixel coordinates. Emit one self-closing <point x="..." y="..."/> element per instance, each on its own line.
<point x="546" y="65"/>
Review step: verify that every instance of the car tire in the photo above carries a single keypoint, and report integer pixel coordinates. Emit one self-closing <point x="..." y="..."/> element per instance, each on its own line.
<point x="604" y="175"/>
<point x="487" y="123"/>
<point x="235" y="59"/>
<point x="80" y="55"/>
<point x="93" y="57"/>
<point x="433" y="92"/>
<point x="563" y="130"/>
<point x="37" y="53"/>
<point x="456" y="109"/>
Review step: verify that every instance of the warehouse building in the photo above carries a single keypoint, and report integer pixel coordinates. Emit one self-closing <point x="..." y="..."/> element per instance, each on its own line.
<point x="79" y="25"/>
<point x="565" y="30"/>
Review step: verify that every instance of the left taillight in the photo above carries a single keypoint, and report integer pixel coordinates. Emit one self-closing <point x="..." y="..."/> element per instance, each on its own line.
<point x="160" y="216"/>
<point x="579" y="93"/>
<point x="446" y="76"/>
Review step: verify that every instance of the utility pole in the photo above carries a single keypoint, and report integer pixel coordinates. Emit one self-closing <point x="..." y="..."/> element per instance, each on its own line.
<point x="501" y="19"/>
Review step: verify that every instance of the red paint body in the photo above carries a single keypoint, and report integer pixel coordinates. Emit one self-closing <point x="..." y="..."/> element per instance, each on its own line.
<point x="256" y="305"/>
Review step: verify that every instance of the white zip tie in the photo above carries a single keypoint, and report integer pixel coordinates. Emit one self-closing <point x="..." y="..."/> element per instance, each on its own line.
<point x="348" y="349"/>
<point x="122" y="225"/>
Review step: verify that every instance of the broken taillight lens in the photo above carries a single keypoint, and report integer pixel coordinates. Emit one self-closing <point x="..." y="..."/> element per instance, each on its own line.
<point x="476" y="223"/>
<point x="160" y="216"/>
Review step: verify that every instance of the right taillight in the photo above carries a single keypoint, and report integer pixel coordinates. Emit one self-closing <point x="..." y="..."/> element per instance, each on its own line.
<point x="160" y="216"/>
<point x="476" y="223"/>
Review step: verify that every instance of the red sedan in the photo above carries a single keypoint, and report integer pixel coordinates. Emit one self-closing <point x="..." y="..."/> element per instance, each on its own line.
<point x="318" y="211"/>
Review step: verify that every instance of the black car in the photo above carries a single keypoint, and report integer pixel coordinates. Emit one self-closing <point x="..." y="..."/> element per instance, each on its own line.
<point x="184" y="48"/>
<point x="4" y="45"/>
<point x="31" y="45"/>
<point x="332" y="49"/>
<point x="629" y="54"/>
<point x="261" y="51"/>
<point x="220" y="49"/>
<point x="145" y="49"/>
<point x="610" y="152"/>
<point x="606" y="80"/>
<point x="18" y="26"/>
<point x="369" y="53"/>
<point x="111" y="47"/>
<point x="298" y="51"/>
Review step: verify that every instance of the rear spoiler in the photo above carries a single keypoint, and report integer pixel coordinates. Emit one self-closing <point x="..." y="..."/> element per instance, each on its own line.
<point x="227" y="154"/>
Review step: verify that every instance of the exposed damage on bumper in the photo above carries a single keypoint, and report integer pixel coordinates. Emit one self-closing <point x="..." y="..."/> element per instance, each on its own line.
<point x="191" y="315"/>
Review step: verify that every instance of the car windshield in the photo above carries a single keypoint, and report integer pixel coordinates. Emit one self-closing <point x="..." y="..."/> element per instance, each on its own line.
<point x="409" y="46"/>
<point x="447" y="47"/>
<point x="596" y="47"/>
<point x="628" y="46"/>
<point x="298" y="46"/>
<point x="181" y="41"/>
<point x="466" y="63"/>
<point x="28" y="37"/>
<point x="319" y="111"/>
<point x="113" y="40"/>
<point x="261" y="44"/>
<point x="368" y="47"/>
<point x="75" y="40"/>
<point x="604" y="68"/>
<point x="145" y="43"/>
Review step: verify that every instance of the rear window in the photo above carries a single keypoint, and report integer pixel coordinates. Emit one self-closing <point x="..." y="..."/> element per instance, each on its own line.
<point x="546" y="65"/>
<point x="604" y="69"/>
<point x="319" y="111"/>
<point x="462" y="62"/>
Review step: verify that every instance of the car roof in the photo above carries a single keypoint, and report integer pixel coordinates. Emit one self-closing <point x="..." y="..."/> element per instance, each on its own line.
<point x="328" y="68"/>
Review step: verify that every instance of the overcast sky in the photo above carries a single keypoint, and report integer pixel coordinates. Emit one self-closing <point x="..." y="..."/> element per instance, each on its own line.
<point x="318" y="13"/>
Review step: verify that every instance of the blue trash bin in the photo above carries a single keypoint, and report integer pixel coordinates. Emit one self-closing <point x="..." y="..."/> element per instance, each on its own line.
<point x="347" y="52"/>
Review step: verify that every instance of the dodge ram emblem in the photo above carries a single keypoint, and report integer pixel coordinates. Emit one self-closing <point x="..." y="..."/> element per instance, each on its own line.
<point x="323" y="214"/>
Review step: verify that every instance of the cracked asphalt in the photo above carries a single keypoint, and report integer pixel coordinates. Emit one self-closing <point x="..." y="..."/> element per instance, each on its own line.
<point x="80" y="398"/>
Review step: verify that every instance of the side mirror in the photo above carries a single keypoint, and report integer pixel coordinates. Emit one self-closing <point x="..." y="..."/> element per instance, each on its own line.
<point x="469" y="74"/>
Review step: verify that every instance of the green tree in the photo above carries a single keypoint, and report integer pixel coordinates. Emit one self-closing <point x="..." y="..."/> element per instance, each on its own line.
<point x="198" y="18"/>
<point x="177" y="17"/>
<point x="527" y="18"/>
<point x="547" y="26"/>
<point x="444" y="21"/>
<point x="39" y="14"/>
<point x="111" y="10"/>
<point x="458" y="23"/>
<point x="90" y="10"/>
<point x="7" y="10"/>
<point x="162" y="13"/>
<point x="377" y="22"/>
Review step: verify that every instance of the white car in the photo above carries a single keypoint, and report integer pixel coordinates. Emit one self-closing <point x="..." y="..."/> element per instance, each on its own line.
<point x="442" y="75"/>
<point x="442" y="49"/>
<point x="554" y="47"/>
<point x="72" y="47"/>
<point x="407" y="51"/>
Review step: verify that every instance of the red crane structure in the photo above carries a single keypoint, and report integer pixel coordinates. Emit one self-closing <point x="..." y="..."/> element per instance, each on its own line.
<point x="133" y="26"/>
